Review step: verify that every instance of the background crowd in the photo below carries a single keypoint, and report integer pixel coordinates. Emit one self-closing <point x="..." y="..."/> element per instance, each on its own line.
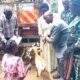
<point x="59" y="42"/>
<point x="63" y="34"/>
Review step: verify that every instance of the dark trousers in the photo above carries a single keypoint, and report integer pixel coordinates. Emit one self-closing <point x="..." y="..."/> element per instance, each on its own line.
<point x="61" y="67"/>
<point x="7" y="38"/>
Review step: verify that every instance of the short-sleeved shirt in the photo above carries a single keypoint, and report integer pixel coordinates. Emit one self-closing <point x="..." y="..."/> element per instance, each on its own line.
<point x="12" y="67"/>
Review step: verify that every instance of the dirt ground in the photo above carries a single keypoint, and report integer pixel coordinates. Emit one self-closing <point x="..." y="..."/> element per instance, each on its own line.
<point x="31" y="75"/>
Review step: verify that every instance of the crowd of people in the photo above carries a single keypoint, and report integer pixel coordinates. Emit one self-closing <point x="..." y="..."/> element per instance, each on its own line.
<point x="59" y="42"/>
<point x="61" y="34"/>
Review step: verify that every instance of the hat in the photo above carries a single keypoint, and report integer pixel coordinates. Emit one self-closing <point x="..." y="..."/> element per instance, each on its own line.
<point x="77" y="2"/>
<point x="44" y="5"/>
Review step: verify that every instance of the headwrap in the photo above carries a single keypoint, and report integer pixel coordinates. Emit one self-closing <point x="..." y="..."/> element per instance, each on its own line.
<point x="75" y="7"/>
<point x="77" y="2"/>
<point x="44" y="5"/>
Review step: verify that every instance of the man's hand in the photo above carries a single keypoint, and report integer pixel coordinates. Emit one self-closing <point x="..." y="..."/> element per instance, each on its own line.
<point x="16" y="33"/>
<point x="44" y="40"/>
<point x="2" y="38"/>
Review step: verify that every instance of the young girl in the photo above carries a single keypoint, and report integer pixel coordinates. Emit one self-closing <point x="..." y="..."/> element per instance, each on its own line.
<point x="12" y="66"/>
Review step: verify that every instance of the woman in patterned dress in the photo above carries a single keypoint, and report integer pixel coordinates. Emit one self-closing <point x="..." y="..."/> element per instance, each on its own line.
<point x="74" y="69"/>
<point x="67" y="16"/>
<point x="12" y="66"/>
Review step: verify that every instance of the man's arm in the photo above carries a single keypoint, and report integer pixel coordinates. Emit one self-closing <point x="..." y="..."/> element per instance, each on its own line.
<point x="16" y="27"/>
<point x="53" y="35"/>
<point x="1" y="26"/>
<point x="60" y="30"/>
<point x="40" y="27"/>
<point x="2" y="37"/>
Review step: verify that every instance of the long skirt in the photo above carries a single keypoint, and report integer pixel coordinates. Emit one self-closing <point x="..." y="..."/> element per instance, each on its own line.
<point x="76" y="65"/>
<point x="72" y="65"/>
<point x="49" y="56"/>
<point x="68" y="62"/>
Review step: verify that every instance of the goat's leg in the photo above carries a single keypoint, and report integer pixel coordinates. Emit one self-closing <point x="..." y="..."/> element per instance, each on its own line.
<point x="38" y="73"/>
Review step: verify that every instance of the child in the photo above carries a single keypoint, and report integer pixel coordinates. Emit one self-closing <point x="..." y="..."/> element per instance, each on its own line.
<point x="12" y="66"/>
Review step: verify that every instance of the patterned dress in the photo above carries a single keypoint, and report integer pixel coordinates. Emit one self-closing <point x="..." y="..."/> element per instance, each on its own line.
<point x="67" y="16"/>
<point x="75" y="32"/>
<point x="12" y="67"/>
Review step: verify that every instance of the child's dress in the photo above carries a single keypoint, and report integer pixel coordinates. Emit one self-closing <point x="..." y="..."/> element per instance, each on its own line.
<point x="12" y="67"/>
